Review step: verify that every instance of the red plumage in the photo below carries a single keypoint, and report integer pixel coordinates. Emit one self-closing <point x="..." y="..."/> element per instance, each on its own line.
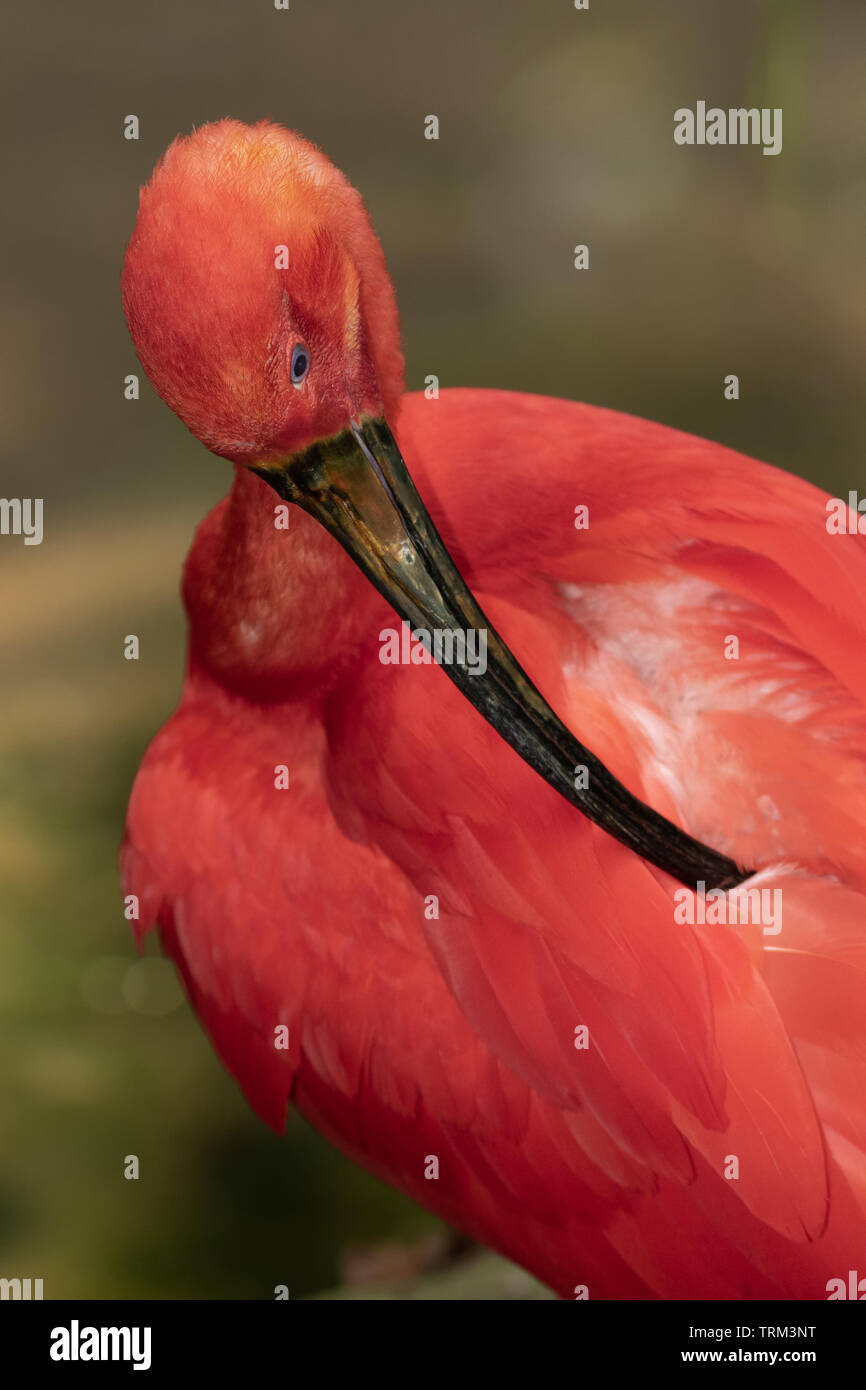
<point x="454" y="1035"/>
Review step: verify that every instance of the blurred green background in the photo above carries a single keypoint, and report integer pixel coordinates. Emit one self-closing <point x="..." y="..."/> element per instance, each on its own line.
<point x="556" y="127"/>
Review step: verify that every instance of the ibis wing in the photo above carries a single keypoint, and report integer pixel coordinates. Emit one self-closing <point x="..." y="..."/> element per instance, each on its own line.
<point x="298" y="942"/>
<point x="469" y="970"/>
<point x="210" y="892"/>
<point x="545" y="927"/>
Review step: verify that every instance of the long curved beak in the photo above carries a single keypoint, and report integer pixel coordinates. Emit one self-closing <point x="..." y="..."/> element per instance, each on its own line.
<point x="357" y="485"/>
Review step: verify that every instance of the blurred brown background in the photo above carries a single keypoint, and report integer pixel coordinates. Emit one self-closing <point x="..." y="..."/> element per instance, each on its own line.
<point x="556" y="127"/>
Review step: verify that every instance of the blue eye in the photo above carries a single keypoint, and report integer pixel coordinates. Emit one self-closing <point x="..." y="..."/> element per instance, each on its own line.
<point x="300" y="363"/>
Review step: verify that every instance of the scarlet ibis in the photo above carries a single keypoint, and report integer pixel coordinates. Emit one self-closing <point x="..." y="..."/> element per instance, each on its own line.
<point x="597" y="998"/>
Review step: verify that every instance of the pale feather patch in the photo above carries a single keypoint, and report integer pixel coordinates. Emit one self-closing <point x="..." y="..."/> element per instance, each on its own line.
<point x="653" y="631"/>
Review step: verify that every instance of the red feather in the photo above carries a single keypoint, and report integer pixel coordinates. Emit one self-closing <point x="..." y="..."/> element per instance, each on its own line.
<point x="454" y="1035"/>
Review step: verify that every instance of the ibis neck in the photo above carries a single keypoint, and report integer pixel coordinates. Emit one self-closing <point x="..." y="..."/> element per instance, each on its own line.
<point x="276" y="608"/>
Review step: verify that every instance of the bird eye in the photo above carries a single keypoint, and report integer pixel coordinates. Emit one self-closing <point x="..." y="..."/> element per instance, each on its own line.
<point x="300" y="363"/>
